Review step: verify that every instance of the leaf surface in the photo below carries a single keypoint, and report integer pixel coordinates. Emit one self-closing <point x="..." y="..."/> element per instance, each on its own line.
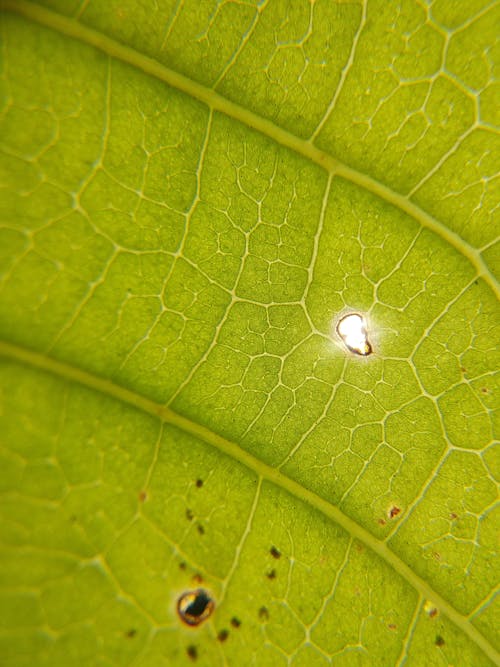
<point x="193" y="194"/>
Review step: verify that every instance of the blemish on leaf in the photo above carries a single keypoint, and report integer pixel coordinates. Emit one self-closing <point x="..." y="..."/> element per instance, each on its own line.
<point x="382" y="522"/>
<point x="275" y="553"/>
<point x="453" y="516"/>
<point x="485" y="390"/>
<point x="394" y="511"/>
<point x="263" y="614"/>
<point x="189" y="514"/>
<point x="235" y="622"/>
<point x="439" y="641"/>
<point x="223" y="635"/>
<point x="131" y="633"/>
<point x="271" y="574"/>
<point x="194" y="607"/>
<point x="199" y="483"/>
<point x="392" y="626"/>
<point x="200" y="529"/>
<point x="192" y="652"/>
<point x="352" y="330"/>
<point x="143" y="496"/>
<point x="430" y="609"/>
<point x="182" y="565"/>
<point x="197" y="578"/>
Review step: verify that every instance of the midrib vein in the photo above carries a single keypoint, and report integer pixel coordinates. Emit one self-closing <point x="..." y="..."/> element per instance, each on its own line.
<point x="108" y="388"/>
<point x="76" y="30"/>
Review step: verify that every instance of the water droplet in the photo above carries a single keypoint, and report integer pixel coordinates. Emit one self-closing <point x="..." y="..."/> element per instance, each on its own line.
<point x="352" y="330"/>
<point x="194" y="607"/>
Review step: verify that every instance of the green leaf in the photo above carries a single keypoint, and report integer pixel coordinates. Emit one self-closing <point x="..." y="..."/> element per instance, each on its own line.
<point x="193" y="194"/>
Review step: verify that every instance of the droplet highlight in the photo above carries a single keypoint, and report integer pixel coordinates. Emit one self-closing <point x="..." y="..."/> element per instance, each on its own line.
<point x="352" y="330"/>
<point x="194" y="607"/>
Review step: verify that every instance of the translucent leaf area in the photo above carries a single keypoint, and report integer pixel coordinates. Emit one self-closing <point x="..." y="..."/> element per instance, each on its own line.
<point x="194" y="193"/>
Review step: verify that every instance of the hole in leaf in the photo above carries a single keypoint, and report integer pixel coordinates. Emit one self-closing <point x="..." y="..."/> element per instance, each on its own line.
<point x="275" y="553"/>
<point x="194" y="607"/>
<point x="352" y="330"/>
<point x="223" y="635"/>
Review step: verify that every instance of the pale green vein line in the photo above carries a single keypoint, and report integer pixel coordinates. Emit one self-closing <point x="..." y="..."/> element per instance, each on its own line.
<point x="232" y="450"/>
<point x="76" y="30"/>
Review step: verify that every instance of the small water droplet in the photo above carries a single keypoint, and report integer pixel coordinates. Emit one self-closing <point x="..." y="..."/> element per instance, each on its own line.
<point x="352" y="329"/>
<point x="194" y="607"/>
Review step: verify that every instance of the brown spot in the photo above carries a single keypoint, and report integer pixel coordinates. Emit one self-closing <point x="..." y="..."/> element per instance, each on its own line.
<point x="223" y="635"/>
<point x="143" y="496"/>
<point x="199" y="483"/>
<point x="192" y="652"/>
<point x="392" y="626"/>
<point x="485" y="390"/>
<point x="235" y="622"/>
<point x="433" y="612"/>
<point x="453" y="516"/>
<point x="439" y="641"/>
<point x="382" y="522"/>
<point x="182" y="565"/>
<point x="200" y="529"/>
<point x="194" y="607"/>
<point x="436" y="555"/>
<point x="464" y="370"/>
<point x="394" y="511"/>
<point x="189" y="514"/>
<point x="263" y="614"/>
<point x="131" y="633"/>
<point x="197" y="578"/>
<point x="271" y="574"/>
<point x="275" y="553"/>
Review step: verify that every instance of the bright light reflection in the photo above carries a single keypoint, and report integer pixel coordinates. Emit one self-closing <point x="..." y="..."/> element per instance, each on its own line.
<point x="352" y="330"/>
